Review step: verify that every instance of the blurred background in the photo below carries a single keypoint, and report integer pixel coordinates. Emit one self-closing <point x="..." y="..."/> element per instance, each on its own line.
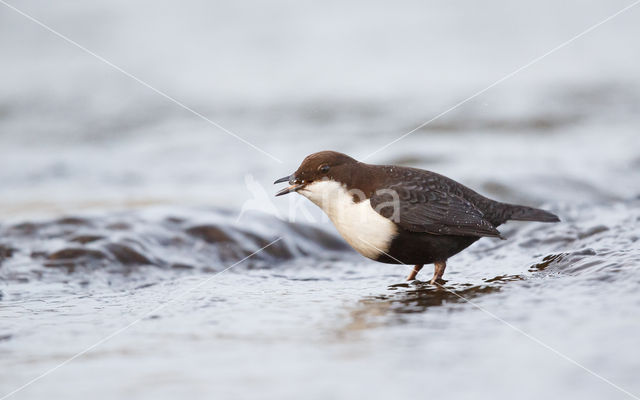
<point x="298" y="77"/>
<point x="98" y="172"/>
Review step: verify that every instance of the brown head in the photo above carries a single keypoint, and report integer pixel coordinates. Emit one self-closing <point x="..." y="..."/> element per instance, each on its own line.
<point x="319" y="166"/>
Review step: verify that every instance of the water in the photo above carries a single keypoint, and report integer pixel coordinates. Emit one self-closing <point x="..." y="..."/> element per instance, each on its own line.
<point x="122" y="210"/>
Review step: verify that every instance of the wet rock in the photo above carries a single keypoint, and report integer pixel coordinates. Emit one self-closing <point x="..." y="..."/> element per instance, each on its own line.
<point x="74" y="253"/>
<point x="278" y="249"/>
<point x="126" y="255"/>
<point x="210" y="234"/>
<point x="86" y="238"/>
<point x="73" y="256"/>
<point x="171" y="242"/>
<point x="72" y="221"/>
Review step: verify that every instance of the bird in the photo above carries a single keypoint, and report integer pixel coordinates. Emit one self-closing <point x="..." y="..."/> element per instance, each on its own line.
<point x="402" y="215"/>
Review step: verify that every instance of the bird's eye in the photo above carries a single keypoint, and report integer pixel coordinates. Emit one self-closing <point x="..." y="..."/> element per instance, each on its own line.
<point x="324" y="168"/>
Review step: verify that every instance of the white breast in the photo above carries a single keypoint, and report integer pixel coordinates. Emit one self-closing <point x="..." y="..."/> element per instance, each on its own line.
<point x="360" y="225"/>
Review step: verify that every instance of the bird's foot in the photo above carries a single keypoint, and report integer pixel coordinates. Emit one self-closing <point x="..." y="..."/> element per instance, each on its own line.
<point x="437" y="281"/>
<point x="438" y="271"/>
<point x="414" y="272"/>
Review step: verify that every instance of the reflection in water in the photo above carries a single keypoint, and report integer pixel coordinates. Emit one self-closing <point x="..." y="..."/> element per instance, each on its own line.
<point x="422" y="296"/>
<point x="418" y="297"/>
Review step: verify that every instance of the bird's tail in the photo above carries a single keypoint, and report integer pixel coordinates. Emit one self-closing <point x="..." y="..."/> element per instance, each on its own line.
<point x="524" y="213"/>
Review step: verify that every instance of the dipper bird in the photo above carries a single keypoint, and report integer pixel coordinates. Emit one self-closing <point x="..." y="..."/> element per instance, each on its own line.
<point x="401" y="215"/>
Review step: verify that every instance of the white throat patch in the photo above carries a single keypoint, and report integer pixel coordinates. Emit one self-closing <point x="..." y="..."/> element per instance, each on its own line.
<point x="360" y="225"/>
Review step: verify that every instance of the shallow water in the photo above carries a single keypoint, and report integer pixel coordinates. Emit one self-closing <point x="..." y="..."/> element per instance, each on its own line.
<point x="122" y="213"/>
<point x="325" y="322"/>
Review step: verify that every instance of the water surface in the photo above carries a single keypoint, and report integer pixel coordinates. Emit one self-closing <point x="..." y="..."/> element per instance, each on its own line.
<point x="121" y="210"/>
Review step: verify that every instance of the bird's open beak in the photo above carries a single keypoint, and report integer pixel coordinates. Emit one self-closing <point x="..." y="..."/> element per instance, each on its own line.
<point x="295" y="185"/>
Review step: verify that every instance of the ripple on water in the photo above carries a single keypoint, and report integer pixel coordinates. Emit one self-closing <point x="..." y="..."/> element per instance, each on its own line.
<point x="121" y="242"/>
<point x="590" y="255"/>
<point x="197" y="240"/>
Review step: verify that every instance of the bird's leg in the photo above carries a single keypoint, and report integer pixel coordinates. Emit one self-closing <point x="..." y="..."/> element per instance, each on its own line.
<point x="414" y="272"/>
<point x="438" y="271"/>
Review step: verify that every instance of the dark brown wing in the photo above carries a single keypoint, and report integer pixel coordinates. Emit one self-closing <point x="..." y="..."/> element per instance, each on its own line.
<point x="431" y="210"/>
